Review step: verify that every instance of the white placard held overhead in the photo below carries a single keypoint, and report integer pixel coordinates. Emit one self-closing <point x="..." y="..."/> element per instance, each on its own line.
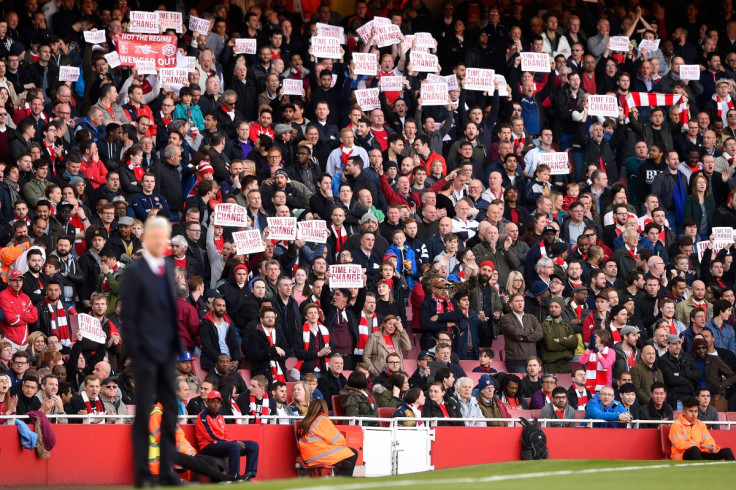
<point x="434" y="94"/>
<point x="146" y="66"/>
<point x="314" y="231"/>
<point x="723" y="233"/>
<point x="293" y="86"/>
<point x="365" y="64"/>
<point x="113" y="59"/>
<point x="173" y="77"/>
<point x="282" y="228"/>
<point x="188" y="63"/>
<point x="68" y="73"/>
<point x="248" y="242"/>
<point x="365" y="32"/>
<point x="602" y="105"/>
<point x="557" y="161"/>
<point x="94" y="37"/>
<point x="422" y="61"/>
<point x="452" y="82"/>
<point x="346" y="276"/>
<point x="649" y="44"/>
<point x="424" y="40"/>
<point x="391" y="83"/>
<point x="535" y="62"/>
<point x="199" y="25"/>
<point x="245" y="46"/>
<point x="367" y="99"/>
<point x="326" y="47"/>
<point x="91" y="328"/>
<point x="386" y="35"/>
<point x="689" y="72"/>
<point x="503" y="87"/>
<point x="619" y="43"/>
<point x="143" y="22"/>
<point x="227" y="214"/>
<point x="170" y="20"/>
<point x="479" y="79"/>
<point x="326" y="30"/>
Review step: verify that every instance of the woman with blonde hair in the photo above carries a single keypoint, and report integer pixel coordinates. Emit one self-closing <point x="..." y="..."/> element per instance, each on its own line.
<point x="320" y="443"/>
<point x="300" y="396"/>
<point x="514" y="284"/>
<point x="36" y="345"/>
<point x="390" y="338"/>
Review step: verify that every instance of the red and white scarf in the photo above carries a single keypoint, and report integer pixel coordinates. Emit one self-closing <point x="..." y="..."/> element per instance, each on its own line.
<point x="261" y="410"/>
<point x="106" y="283"/>
<point x="276" y="373"/>
<point x="596" y="374"/>
<point x="97" y="409"/>
<point x="307" y="337"/>
<point x="364" y="333"/>
<point x="59" y="325"/>
<point x="345" y="155"/>
<point x="582" y="398"/>
<point x="443" y="304"/>
<point x="236" y="411"/>
<point x="723" y="106"/>
<point x="137" y="170"/>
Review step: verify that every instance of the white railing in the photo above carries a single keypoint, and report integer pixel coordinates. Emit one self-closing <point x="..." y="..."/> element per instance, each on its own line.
<point x="360" y="421"/>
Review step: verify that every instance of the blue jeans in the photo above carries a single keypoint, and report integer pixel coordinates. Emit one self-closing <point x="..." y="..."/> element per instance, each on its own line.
<point x="233" y="451"/>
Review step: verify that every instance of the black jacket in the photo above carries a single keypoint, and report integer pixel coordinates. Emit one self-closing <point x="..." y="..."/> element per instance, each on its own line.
<point x="432" y="410"/>
<point x="329" y="385"/>
<point x="259" y="352"/>
<point x="352" y="311"/>
<point x="236" y="300"/>
<point x="32" y="287"/>
<point x="211" y="342"/>
<point x="89" y="267"/>
<point x="168" y="184"/>
<point x="680" y="375"/>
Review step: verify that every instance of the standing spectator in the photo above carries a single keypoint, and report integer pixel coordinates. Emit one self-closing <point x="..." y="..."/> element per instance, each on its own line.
<point x="680" y="372"/>
<point x="521" y="332"/>
<point x="645" y="373"/>
<point x="559" y="341"/>
<point x="18" y="311"/>
<point x="599" y="358"/>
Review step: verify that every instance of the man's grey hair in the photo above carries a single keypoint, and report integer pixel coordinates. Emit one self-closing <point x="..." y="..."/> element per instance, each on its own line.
<point x="543" y="262"/>
<point x="180" y="241"/>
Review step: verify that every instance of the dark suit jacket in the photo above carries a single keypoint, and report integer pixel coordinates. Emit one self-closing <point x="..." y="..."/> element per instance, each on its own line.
<point x="149" y="321"/>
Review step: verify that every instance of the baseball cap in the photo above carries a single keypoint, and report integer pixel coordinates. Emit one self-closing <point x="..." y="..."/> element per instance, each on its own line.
<point x="580" y="288"/>
<point x="15" y="274"/>
<point x="368" y="217"/>
<point x="629" y="329"/>
<point x="65" y="204"/>
<point x="213" y="293"/>
<point x="425" y="354"/>
<point x="281" y="171"/>
<point x="126" y="221"/>
<point x="549" y="229"/>
<point x="214" y="394"/>
<point x="538" y="288"/>
<point x="672" y="339"/>
<point x="185" y="356"/>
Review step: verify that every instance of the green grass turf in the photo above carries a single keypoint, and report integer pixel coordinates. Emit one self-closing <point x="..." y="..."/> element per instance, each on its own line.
<point x="525" y="475"/>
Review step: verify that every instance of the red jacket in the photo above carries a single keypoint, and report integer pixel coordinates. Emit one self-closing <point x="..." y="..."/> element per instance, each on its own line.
<point x="393" y="197"/>
<point x="19" y="312"/>
<point x="188" y="322"/>
<point x="210" y="428"/>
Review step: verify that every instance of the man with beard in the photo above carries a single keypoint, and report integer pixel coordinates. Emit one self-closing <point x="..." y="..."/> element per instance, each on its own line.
<point x="485" y="300"/>
<point x="266" y="348"/>
<point x="34" y="280"/>
<point x="647" y="307"/>
<point x="538" y="251"/>
<point x="68" y="268"/>
<point x="696" y="300"/>
<point x="718" y="376"/>
<point x="217" y="332"/>
<point x="559" y="340"/>
<point x="503" y="258"/>
<point x="122" y="239"/>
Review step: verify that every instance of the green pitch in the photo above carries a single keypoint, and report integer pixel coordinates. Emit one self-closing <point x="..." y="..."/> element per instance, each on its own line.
<point x="525" y="475"/>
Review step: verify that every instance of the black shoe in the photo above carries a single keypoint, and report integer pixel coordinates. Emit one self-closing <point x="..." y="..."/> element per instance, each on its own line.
<point x="245" y="477"/>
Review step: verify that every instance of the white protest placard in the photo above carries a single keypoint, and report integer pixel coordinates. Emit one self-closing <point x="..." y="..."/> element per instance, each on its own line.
<point x="314" y="231"/>
<point x="689" y="72"/>
<point x="365" y="64"/>
<point x="386" y="35"/>
<point x="68" y="73"/>
<point x="423" y="61"/>
<point x="334" y="80"/>
<point x="170" y="20"/>
<point x="293" y="86"/>
<point x="113" y="59"/>
<point x="94" y="37"/>
<point x="451" y="81"/>
<point x="281" y="228"/>
<point x="619" y="43"/>
<point x="245" y="46"/>
<point x="91" y="328"/>
<point x="649" y="44"/>
<point x="557" y="161"/>
<point x="407" y="42"/>
<point x="346" y="276"/>
<point x="146" y="66"/>
<point x="227" y="214"/>
<point x="434" y="94"/>
<point x="171" y="77"/>
<point x="435" y="78"/>
<point x="248" y="242"/>
<point x="381" y="21"/>
<point x="326" y="30"/>
<point x="503" y="87"/>
<point x="143" y="22"/>
<point x="365" y="32"/>
<point x="188" y="63"/>
<point x="723" y="233"/>
<point x="602" y="105"/>
<point x="199" y="25"/>
<point x="536" y="62"/>
<point x="391" y="83"/>
<point x="718" y="245"/>
<point x="424" y="40"/>
<point x="479" y="79"/>
<point x="367" y="99"/>
<point x="326" y="47"/>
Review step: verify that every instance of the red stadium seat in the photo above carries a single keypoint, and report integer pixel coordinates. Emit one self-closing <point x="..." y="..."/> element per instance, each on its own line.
<point x="664" y="435"/>
<point x="312" y="471"/>
<point x="527" y="414"/>
<point x="536" y="412"/>
<point x="197" y="368"/>
<point x="468" y="366"/>
<point x="499" y="353"/>
<point x="499" y="366"/>
<point x="564" y="380"/>
<point x="131" y="409"/>
<point x="337" y="410"/>
<point x="731" y="417"/>
<point x="289" y="387"/>
<point x="410" y="364"/>
<point x="245" y="374"/>
<point x="385" y="413"/>
<point x="475" y="377"/>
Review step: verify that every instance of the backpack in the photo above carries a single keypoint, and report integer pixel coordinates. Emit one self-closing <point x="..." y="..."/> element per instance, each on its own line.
<point x="533" y="441"/>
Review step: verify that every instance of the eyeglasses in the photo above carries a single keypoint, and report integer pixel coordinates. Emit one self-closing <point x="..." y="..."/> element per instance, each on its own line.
<point x="111" y="387"/>
<point x="20" y="363"/>
<point x="559" y="283"/>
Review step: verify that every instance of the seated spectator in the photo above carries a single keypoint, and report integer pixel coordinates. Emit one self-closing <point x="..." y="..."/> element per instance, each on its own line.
<point x="27" y="399"/>
<point x="657" y="408"/>
<point x="510" y="395"/>
<point x="627" y="394"/>
<point x="356" y="400"/>
<point x="88" y="402"/>
<point x="544" y="396"/>
<point x="577" y="394"/>
<point x="300" y="398"/>
<point x="706" y="411"/>
<point x="310" y="380"/>
<point x="680" y="372"/>
<point x="690" y="438"/>
<point x="489" y="405"/>
<point x="468" y="405"/>
<point x="645" y="373"/>
<point x="213" y="440"/>
<point x="485" y="358"/>
<point x="558" y="409"/>
<point x="603" y="407"/>
<point x="197" y="404"/>
<point x="279" y="404"/>
<point x="395" y="387"/>
<point x="320" y="443"/>
<point x="532" y="383"/>
<point x="440" y="406"/>
<point x="411" y="407"/>
<point x="333" y="381"/>
<point x="113" y="404"/>
<point x="420" y="377"/>
<point x="717" y="376"/>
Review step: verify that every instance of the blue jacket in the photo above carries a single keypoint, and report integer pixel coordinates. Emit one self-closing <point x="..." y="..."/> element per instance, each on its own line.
<point x="180" y="112"/>
<point x="405" y="254"/>
<point x="594" y="410"/>
<point x="142" y="204"/>
<point x="468" y="326"/>
<point x="724" y="338"/>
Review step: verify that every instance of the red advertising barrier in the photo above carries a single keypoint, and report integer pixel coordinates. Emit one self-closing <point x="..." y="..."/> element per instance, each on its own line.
<point x="102" y="455"/>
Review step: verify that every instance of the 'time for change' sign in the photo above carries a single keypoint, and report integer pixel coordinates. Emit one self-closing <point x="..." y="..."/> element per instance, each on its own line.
<point x="602" y="105"/>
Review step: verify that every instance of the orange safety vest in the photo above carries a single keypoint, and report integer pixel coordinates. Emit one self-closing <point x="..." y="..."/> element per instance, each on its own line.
<point x="154" y="439"/>
<point x="323" y="444"/>
<point x="685" y="434"/>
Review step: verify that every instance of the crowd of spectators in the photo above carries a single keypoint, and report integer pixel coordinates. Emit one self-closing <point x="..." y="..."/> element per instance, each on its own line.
<point x="615" y="271"/>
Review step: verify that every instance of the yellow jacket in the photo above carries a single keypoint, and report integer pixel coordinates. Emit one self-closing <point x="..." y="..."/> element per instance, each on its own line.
<point x="154" y="438"/>
<point x="685" y="434"/>
<point x="323" y="444"/>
